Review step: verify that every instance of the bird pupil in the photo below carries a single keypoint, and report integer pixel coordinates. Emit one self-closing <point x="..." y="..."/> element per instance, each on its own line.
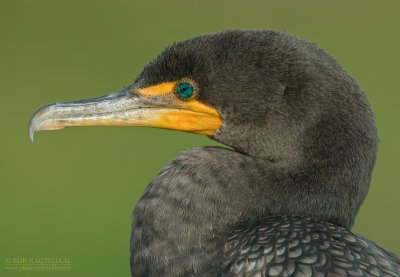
<point x="185" y="90"/>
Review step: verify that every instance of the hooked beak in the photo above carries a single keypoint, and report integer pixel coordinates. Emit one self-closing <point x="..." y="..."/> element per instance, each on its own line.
<point x="130" y="108"/>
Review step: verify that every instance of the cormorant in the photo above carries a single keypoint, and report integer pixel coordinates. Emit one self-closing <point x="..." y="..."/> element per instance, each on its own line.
<point x="282" y="199"/>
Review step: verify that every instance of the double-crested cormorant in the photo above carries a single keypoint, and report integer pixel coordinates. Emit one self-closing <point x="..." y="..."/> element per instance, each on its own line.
<point x="282" y="201"/>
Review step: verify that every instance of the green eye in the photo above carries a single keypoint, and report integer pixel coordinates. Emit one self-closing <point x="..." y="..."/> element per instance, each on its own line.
<point x="185" y="90"/>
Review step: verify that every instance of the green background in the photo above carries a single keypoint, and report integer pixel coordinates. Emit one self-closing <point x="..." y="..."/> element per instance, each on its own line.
<point x="71" y="193"/>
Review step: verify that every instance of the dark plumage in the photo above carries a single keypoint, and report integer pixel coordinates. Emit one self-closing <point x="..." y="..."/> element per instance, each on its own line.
<point x="298" y="246"/>
<point x="282" y="201"/>
<point x="305" y="145"/>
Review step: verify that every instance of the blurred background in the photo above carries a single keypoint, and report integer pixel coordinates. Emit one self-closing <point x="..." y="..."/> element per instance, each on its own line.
<point x="71" y="193"/>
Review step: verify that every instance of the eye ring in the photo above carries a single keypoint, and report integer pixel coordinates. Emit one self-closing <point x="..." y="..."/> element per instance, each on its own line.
<point x="186" y="89"/>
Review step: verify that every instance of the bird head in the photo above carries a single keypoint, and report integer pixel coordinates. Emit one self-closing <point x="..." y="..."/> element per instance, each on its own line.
<point x="264" y="93"/>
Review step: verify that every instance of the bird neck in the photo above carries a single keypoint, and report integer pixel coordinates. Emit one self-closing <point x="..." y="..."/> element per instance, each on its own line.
<point x="195" y="201"/>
